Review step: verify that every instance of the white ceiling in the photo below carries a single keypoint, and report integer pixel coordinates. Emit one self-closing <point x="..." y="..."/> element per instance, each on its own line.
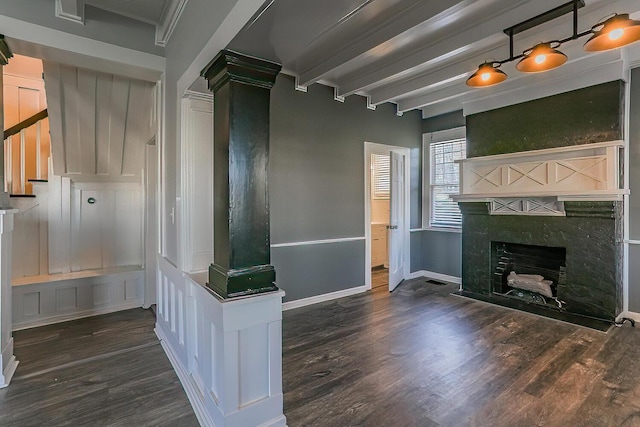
<point x="415" y="53"/>
<point x="149" y="11"/>
<point x="162" y="14"/>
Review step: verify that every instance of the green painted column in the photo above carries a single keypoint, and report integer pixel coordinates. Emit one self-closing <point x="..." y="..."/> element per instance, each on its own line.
<point x="241" y="88"/>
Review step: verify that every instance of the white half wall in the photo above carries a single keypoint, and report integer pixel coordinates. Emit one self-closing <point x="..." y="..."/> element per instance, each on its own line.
<point x="227" y="353"/>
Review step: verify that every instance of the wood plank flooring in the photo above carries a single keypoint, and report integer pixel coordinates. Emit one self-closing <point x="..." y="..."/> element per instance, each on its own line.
<point x="106" y="370"/>
<point x="422" y="357"/>
<point x="415" y="357"/>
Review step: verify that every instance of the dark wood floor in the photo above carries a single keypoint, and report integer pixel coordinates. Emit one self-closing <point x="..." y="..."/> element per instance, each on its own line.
<point x="422" y="357"/>
<point x="101" y="371"/>
<point x="416" y="357"/>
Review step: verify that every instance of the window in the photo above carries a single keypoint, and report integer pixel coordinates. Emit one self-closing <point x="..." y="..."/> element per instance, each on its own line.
<point x="444" y="148"/>
<point x="380" y="176"/>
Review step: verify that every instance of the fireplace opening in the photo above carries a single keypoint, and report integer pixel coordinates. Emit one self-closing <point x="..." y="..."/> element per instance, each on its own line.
<point x="529" y="273"/>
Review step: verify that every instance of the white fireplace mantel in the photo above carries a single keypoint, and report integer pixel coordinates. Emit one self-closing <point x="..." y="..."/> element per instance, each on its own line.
<point x="588" y="172"/>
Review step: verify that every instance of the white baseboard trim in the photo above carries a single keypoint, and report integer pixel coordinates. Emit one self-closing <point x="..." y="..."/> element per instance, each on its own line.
<point x="192" y="393"/>
<point x="324" y="297"/>
<point x="630" y="315"/>
<point x="278" y="422"/>
<point x="9" y="371"/>
<point x="436" y="276"/>
<point x="76" y="315"/>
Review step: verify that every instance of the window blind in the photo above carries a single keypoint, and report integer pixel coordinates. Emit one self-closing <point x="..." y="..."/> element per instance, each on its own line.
<point x="381" y="175"/>
<point x="444" y="212"/>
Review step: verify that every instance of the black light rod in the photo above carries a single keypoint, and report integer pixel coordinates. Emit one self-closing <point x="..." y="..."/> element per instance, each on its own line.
<point x="569" y="7"/>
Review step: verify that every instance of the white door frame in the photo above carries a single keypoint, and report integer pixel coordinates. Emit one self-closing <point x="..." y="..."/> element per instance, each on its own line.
<point x="375" y="148"/>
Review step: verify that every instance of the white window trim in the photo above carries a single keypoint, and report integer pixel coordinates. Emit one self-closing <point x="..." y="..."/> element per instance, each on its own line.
<point x="427" y="140"/>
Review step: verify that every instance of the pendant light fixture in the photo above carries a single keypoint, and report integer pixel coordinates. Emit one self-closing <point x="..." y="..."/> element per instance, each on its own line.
<point x="487" y="74"/>
<point x="542" y="57"/>
<point x="613" y="33"/>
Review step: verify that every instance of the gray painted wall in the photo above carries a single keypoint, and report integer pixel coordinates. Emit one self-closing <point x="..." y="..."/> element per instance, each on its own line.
<point x="455" y="119"/>
<point x="305" y="271"/>
<point x="431" y="250"/>
<point x="437" y="252"/>
<point x="316" y="183"/>
<point x="634" y="197"/>
<point x="99" y="24"/>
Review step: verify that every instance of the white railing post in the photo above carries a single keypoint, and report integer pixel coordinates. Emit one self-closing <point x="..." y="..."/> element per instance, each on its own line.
<point x="23" y="160"/>
<point x="38" y="160"/>
<point x="8" y="164"/>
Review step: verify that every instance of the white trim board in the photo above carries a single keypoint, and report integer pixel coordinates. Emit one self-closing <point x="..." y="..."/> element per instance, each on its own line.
<point x="43" y="42"/>
<point x="376" y="148"/>
<point x="78" y="315"/>
<point x="186" y="380"/>
<point x="436" y="276"/>
<point x="170" y="17"/>
<point x="323" y="297"/>
<point x="317" y="242"/>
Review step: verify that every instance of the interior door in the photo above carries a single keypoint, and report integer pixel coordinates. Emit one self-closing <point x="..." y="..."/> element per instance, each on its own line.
<point x="396" y="222"/>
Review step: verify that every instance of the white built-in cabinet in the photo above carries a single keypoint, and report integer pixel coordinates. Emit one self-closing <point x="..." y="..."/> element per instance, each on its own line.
<point x="379" y="245"/>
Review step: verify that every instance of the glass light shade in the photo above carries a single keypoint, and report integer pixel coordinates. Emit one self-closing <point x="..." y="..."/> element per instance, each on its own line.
<point x="542" y="57"/>
<point x="486" y="75"/>
<point x="616" y="32"/>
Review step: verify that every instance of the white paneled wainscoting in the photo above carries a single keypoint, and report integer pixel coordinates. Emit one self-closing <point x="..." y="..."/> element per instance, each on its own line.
<point x="227" y="353"/>
<point x="47" y="299"/>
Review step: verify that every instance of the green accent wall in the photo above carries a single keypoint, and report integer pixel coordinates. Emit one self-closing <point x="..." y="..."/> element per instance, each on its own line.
<point x="592" y="114"/>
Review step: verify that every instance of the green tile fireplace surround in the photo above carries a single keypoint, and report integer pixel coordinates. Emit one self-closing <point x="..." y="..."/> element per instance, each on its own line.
<point x="591" y="231"/>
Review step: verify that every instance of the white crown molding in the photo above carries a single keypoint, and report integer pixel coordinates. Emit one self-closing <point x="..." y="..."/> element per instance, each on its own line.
<point x="371" y="106"/>
<point x="71" y="10"/>
<point x="170" y="17"/>
<point x="299" y="87"/>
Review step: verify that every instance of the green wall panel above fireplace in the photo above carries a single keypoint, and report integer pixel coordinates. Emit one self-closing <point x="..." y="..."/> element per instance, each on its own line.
<point x="592" y="114"/>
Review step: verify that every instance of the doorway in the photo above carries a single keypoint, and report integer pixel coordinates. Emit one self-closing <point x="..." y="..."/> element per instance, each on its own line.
<point x="387" y="188"/>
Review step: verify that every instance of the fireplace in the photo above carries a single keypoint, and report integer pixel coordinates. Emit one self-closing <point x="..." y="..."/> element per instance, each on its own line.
<point x="580" y="252"/>
<point x="547" y="173"/>
<point x="547" y="264"/>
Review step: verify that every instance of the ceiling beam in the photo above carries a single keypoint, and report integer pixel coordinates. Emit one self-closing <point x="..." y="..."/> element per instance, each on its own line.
<point x="440" y="45"/>
<point x="443" y="75"/>
<point x="348" y="41"/>
<point x="419" y="85"/>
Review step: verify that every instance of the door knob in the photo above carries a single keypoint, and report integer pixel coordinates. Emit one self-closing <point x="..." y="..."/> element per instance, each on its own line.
<point x="392" y="227"/>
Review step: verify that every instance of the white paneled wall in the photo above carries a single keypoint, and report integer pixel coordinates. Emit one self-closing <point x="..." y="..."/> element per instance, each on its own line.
<point x="108" y="232"/>
<point x="44" y="300"/>
<point x="29" y="247"/>
<point x="196" y="228"/>
<point x="227" y="353"/>
<point x="99" y="123"/>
